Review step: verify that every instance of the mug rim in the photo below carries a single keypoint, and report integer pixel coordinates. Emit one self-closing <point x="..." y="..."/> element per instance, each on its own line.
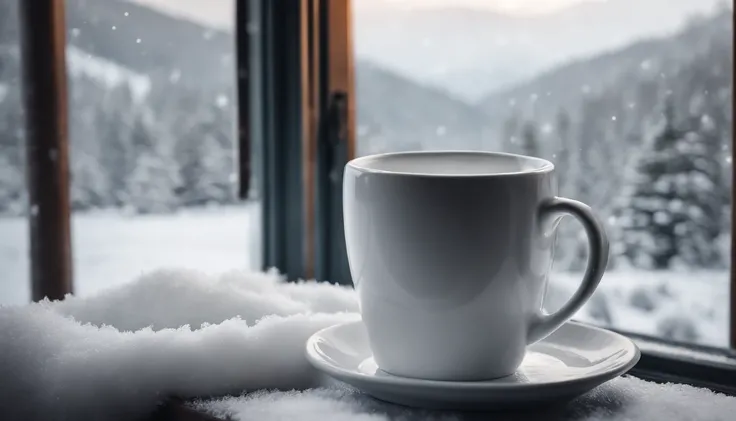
<point x="545" y="167"/>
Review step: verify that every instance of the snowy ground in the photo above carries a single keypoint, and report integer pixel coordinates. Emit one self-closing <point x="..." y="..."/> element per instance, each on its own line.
<point x="682" y="306"/>
<point x="110" y="249"/>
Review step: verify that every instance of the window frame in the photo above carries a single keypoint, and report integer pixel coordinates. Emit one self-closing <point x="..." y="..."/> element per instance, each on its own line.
<point x="303" y="57"/>
<point x="277" y="126"/>
<point x="44" y="78"/>
<point x="665" y="364"/>
<point x="301" y="169"/>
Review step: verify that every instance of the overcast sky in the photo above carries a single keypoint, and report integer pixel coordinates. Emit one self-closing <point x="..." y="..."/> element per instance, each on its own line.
<point x="219" y="13"/>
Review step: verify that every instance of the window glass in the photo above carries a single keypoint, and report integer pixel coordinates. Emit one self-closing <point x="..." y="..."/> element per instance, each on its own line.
<point x="14" y="231"/>
<point x="633" y="108"/>
<point x="153" y="156"/>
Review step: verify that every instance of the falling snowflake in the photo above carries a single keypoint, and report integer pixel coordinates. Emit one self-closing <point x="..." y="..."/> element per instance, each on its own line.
<point x="175" y="76"/>
<point x="707" y="123"/>
<point x="138" y="41"/>
<point x="114" y="27"/>
<point x="661" y="218"/>
<point x="75" y="32"/>
<point x="126" y="14"/>
<point x="613" y="118"/>
<point x="441" y="130"/>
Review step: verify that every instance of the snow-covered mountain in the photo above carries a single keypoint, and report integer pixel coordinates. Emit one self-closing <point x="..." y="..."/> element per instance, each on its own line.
<point x="149" y="42"/>
<point x="472" y="52"/>
<point x="107" y="73"/>
<point x="595" y="116"/>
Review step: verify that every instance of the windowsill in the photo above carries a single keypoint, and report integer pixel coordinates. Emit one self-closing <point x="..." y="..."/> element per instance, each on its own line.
<point x="700" y="366"/>
<point x="661" y="362"/>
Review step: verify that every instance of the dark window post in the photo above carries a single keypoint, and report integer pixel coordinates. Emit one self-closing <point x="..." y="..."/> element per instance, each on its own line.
<point x="43" y="42"/>
<point x="732" y="329"/>
<point x="242" y="47"/>
<point x="336" y="143"/>
<point x="279" y="124"/>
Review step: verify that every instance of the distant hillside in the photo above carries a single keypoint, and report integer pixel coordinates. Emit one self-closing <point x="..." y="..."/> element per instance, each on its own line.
<point x="571" y="82"/>
<point x="395" y="113"/>
<point x="655" y="59"/>
<point x="472" y="52"/>
<point x="160" y="112"/>
<point x="594" y="116"/>
<point x="111" y="29"/>
<point x="141" y="40"/>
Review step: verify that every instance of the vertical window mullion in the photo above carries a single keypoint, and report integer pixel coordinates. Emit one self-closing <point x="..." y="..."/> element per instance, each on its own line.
<point x="309" y="28"/>
<point x="242" y="51"/>
<point x="280" y="127"/>
<point x="43" y="43"/>
<point x="732" y="321"/>
<point x="336" y="143"/>
<point x="732" y="309"/>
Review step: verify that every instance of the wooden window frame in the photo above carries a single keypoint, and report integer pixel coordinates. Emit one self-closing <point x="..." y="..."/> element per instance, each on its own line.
<point x="43" y="61"/>
<point x="295" y="62"/>
<point x="301" y="119"/>
<point x="328" y="142"/>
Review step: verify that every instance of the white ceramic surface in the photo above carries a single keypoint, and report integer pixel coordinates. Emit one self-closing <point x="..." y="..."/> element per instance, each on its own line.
<point x="449" y="253"/>
<point x="571" y="361"/>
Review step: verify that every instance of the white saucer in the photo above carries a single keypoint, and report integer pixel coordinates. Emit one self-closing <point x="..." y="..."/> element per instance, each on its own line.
<point x="571" y="361"/>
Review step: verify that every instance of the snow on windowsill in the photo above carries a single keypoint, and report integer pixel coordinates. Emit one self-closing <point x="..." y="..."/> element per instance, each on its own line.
<point x="117" y="354"/>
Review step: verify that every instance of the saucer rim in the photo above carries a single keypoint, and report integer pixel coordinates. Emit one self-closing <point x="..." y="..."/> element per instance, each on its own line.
<point x="482" y="385"/>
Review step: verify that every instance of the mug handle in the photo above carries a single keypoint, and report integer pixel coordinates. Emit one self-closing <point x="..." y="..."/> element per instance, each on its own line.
<point x="542" y="324"/>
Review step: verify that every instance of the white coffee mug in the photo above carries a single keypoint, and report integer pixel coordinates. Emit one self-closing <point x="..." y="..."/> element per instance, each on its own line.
<point x="450" y="252"/>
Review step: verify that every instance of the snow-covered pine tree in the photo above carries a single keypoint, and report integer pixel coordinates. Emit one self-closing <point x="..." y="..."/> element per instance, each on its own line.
<point x="88" y="178"/>
<point x="114" y="121"/>
<point x="151" y="183"/>
<point x="206" y="156"/>
<point x="530" y="140"/>
<point x="668" y="211"/>
<point x="699" y="246"/>
<point x="510" y="136"/>
<point x="561" y="158"/>
<point x="12" y="151"/>
<point x="588" y="135"/>
<point x="87" y="185"/>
